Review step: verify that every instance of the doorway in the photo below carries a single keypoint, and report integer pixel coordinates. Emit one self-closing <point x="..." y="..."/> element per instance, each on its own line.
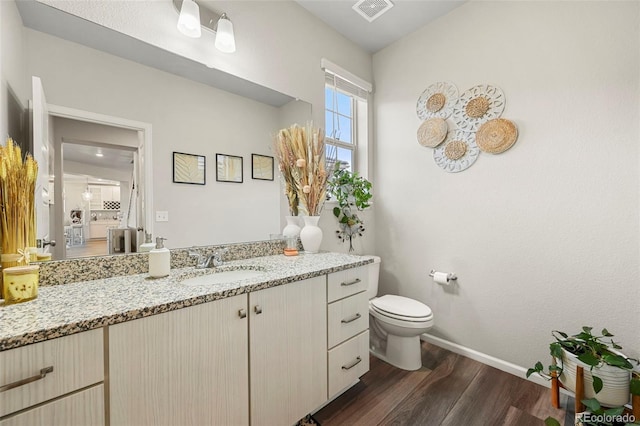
<point x="101" y="183"/>
<point x="99" y="191"/>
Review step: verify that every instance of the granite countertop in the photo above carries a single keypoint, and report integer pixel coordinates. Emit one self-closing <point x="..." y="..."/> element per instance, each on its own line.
<point x="72" y="308"/>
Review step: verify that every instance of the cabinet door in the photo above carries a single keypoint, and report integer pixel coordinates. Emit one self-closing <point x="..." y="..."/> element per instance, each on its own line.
<point x="115" y="194"/>
<point x="288" y="329"/>
<point x="106" y="193"/>
<point x="185" y="367"/>
<point x="98" y="230"/>
<point x="96" y="198"/>
<point x="84" y="408"/>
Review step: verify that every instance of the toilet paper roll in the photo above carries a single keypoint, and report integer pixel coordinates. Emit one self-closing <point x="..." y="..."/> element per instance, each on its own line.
<point x="441" y="278"/>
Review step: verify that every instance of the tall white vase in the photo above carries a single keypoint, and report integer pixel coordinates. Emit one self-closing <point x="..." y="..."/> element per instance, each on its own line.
<point x="292" y="229"/>
<point x="311" y="234"/>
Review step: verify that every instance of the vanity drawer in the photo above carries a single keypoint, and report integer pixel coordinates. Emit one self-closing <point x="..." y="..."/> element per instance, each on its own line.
<point x="345" y="283"/>
<point x="77" y="361"/>
<point x="347" y="317"/>
<point x="84" y="408"/>
<point x="347" y="362"/>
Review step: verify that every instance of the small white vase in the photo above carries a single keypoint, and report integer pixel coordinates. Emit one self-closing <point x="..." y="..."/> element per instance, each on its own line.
<point x="311" y="234"/>
<point x="292" y="229"/>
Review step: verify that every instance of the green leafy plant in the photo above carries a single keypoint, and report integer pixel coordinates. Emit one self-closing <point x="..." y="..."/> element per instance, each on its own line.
<point x="352" y="192"/>
<point x="594" y="351"/>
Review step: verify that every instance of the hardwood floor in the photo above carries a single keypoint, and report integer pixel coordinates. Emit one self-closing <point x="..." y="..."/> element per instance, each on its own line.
<point x="449" y="390"/>
<point x="90" y="248"/>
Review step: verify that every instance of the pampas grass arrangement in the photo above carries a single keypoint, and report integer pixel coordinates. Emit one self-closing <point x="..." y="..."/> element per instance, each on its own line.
<point x="286" y="165"/>
<point x="300" y="152"/>
<point x="18" y="177"/>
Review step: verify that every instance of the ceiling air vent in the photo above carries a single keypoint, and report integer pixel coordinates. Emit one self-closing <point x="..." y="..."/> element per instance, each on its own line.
<point x="372" y="9"/>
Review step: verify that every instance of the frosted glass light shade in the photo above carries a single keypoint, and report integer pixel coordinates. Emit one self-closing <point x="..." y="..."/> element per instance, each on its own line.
<point x="87" y="195"/>
<point x="189" y="20"/>
<point x="225" y="40"/>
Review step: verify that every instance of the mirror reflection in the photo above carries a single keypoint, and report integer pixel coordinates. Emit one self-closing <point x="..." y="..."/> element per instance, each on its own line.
<point x="183" y="116"/>
<point x="100" y="194"/>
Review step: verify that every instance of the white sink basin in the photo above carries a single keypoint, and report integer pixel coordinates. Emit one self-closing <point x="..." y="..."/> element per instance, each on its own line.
<point x="223" y="277"/>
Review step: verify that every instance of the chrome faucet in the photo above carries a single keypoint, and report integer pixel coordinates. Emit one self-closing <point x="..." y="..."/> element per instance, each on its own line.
<point x="212" y="261"/>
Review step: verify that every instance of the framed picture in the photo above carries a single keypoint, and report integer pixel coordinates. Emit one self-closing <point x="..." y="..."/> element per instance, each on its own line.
<point x="189" y="168"/>
<point x="261" y="167"/>
<point x="228" y="168"/>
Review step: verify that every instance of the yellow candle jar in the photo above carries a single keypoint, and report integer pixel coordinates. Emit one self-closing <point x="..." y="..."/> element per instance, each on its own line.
<point x="20" y="283"/>
<point x="43" y="257"/>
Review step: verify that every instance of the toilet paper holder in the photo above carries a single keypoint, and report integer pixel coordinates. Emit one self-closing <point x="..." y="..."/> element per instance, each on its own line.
<point x="450" y="276"/>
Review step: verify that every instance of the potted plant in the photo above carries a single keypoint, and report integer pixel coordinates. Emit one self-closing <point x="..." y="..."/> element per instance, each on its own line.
<point x="352" y="193"/>
<point x="608" y="376"/>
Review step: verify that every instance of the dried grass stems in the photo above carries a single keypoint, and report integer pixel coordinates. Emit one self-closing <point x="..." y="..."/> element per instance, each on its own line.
<point x="300" y="152"/>
<point x="17" y="192"/>
<point x="286" y="165"/>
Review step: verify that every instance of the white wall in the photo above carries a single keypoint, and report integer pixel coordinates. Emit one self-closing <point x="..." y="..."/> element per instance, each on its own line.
<point x="186" y="117"/>
<point x="279" y="43"/>
<point x="544" y="236"/>
<point x="12" y="61"/>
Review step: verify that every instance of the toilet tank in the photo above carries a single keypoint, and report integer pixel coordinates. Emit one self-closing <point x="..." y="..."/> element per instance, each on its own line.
<point x="374" y="275"/>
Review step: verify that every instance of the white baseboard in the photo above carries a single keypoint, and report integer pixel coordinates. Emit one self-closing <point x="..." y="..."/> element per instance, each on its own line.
<point x="489" y="360"/>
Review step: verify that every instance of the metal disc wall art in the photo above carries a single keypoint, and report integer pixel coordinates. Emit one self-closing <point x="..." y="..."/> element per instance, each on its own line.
<point x="477" y="106"/>
<point x="458" y="152"/>
<point x="432" y="132"/>
<point x="437" y="101"/>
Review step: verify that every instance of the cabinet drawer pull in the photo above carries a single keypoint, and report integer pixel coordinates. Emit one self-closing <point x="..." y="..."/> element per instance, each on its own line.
<point x="258" y="309"/>
<point x="242" y="313"/>
<point x="352" y="319"/>
<point x="42" y="375"/>
<point x="353" y="364"/>
<point x="356" y="281"/>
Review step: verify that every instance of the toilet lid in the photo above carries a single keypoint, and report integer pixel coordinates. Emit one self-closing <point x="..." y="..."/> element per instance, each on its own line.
<point x="401" y="306"/>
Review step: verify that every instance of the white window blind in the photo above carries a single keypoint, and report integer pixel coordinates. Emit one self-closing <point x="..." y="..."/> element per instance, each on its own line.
<point x="345" y="80"/>
<point x="339" y="83"/>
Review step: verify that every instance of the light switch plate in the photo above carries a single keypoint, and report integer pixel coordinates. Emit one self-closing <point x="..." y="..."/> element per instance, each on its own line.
<point x="162" y="216"/>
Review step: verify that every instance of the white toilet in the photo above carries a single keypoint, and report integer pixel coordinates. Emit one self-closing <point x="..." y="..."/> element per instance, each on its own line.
<point x="395" y="325"/>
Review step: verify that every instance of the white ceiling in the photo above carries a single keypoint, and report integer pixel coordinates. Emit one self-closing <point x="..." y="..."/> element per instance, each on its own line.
<point x="403" y="18"/>
<point x="119" y="159"/>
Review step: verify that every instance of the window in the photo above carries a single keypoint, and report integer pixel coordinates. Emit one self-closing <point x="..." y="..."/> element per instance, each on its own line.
<point x="339" y="128"/>
<point x="346" y="119"/>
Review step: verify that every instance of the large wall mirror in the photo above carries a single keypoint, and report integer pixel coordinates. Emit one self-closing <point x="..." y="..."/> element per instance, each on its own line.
<point x="100" y="181"/>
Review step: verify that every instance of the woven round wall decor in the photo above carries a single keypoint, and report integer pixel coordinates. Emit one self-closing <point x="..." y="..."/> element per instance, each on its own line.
<point x="437" y="101"/>
<point x="432" y="132"/>
<point x="496" y="136"/>
<point x="458" y="152"/>
<point x="477" y="106"/>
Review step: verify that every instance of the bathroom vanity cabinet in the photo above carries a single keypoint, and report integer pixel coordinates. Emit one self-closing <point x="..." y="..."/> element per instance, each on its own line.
<point x="70" y="390"/>
<point x="268" y="356"/>
<point x="193" y="363"/>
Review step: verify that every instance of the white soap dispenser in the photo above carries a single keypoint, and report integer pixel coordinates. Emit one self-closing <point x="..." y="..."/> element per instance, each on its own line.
<point x="159" y="260"/>
<point x="148" y="245"/>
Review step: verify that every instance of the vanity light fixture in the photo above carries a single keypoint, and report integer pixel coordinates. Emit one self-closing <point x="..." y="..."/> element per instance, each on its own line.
<point x="189" y="20"/>
<point x="192" y="18"/>
<point x="225" y="40"/>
